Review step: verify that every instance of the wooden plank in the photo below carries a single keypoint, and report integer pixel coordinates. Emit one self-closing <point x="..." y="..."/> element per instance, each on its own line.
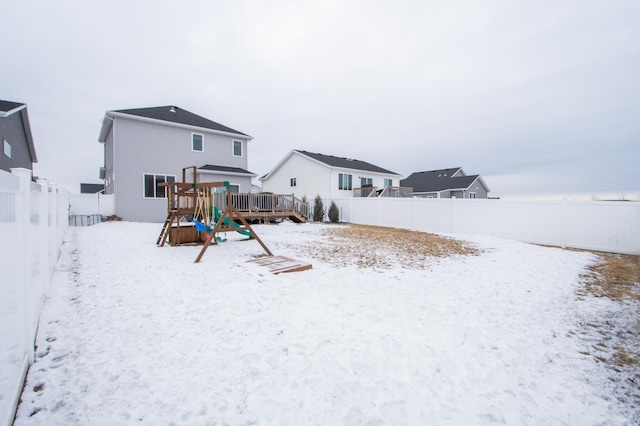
<point x="297" y="267"/>
<point x="265" y="261"/>
<point x="280" y="264"/>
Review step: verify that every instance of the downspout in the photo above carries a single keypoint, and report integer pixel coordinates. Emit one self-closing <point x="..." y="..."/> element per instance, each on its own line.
<point x="113" y="161"/>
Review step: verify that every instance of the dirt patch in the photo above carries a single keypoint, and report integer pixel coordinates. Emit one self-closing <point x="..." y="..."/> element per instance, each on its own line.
<point x="384" y="248"/>
<point x="616" y="341"/>
<point x="616" y="276"/>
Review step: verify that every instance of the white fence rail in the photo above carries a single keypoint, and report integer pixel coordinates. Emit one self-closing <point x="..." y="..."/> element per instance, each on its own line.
<point x="610" y="226"/>
<point x="33" y="220"/>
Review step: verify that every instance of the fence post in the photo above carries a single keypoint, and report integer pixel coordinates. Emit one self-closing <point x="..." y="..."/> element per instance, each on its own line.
<point x="57" y="225"/>
<point x="23" y="213"/>
<point x="451" y="214"/>
<point x="563" y="224"/>
<point x="414" y="214"/>
<point x="44" y="235"/>
<point x="637" y="245"/>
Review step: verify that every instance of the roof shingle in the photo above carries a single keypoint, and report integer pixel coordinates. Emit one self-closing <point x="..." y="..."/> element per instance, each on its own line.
<point x="6" y="106"/>
<point x="226" y="169"/>
<point x="345" y="163"/>
<point x="173" y="114"/>
<point x="437" y="180"/>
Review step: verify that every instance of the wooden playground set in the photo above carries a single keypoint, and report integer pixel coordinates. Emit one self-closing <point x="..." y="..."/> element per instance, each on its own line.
<point x="194" y="217"/>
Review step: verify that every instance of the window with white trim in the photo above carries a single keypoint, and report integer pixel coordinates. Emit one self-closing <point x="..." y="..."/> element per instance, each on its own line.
<point x="365" y="181"/>
<point x="152" y="187"/>
<point x="7" y="148"/>
<point x="293" y="181"/>
<point x="388" y="182"/>
<point x="472" y="195"/>
<point x="197" y="142"/>
<point x="345" y="181"/>
<point x="237" y="148"/>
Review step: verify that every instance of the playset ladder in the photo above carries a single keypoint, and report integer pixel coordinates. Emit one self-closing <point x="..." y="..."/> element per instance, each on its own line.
<point x="162" y="238"/>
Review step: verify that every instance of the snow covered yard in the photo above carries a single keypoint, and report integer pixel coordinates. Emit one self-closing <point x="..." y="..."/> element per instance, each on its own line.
<point x="492" y="334"/>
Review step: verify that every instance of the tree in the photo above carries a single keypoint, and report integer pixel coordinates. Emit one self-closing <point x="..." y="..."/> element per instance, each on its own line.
<point x="334" y="213"/>
<point x="318" y="209"/>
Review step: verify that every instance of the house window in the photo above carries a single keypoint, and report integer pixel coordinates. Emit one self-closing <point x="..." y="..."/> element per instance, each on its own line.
<point x="152" y="188"/>
<point x="365" y="182"/>
<point x="197" y="142"/>
<point x="293" y="182"/>
<point x="388" y="182"/>
<point x="7" y="149"/>
<point x="237" y="148"/>
<point x="472" y="195"/>
<point x="345" y="182"/>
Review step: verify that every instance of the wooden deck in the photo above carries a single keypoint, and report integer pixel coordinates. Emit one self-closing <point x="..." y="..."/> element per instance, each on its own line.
<point x="270" y="206"/>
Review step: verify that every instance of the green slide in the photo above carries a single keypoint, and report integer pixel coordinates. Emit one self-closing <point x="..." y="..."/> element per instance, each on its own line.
<point x="217" y="215"/>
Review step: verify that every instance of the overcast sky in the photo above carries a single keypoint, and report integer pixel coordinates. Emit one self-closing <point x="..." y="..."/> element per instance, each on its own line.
<point x="538" y="97"/>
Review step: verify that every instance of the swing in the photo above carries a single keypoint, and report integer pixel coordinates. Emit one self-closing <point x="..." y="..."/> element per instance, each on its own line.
<point x="201" y="227"/>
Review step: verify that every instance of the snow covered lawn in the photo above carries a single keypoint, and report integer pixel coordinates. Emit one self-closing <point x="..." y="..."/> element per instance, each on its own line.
<point x="133" y="333"/>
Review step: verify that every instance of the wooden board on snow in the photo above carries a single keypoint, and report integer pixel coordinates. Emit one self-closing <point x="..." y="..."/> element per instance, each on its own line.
<point x="279" y="264"/>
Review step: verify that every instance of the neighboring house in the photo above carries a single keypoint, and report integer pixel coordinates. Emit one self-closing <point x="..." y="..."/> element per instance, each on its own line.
<point x="308" y="174"/>
<point x="17" y="148"/>
<point x="145" y="147"/>
<point x="446" y="183"/>
<point x="91" y="188"/>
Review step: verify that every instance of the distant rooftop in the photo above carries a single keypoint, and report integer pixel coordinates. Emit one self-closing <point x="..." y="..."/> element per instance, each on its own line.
<point x="438" y="180"/>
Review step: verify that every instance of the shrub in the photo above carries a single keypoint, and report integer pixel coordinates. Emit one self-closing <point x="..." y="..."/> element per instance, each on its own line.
<point x="334" y="213"/>
<point x="318" y="209"/>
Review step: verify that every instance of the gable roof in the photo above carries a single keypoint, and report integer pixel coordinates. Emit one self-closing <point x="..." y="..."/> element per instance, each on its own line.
<point x="226" y="169"/>
<point x="440" y="180"/>
<point x="344" y="163"/>
<point x="8" y="108"/>
<point x="169" y="114"/>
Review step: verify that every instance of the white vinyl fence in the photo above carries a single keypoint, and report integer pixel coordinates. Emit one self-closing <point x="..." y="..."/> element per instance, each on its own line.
<point x="88" y="209"/>
<point x="610" y="226"/>
<point x="33" y="220"/>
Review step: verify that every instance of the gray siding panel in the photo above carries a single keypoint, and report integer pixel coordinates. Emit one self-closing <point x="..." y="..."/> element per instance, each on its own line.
<point x="143" y="147"/>
<point x="12" y="130"/>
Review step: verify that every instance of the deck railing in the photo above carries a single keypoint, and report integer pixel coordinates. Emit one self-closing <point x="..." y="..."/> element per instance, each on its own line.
<point x="265" y="203"/>
<point x="388" y="191"/>
<point x="397" y="192"/>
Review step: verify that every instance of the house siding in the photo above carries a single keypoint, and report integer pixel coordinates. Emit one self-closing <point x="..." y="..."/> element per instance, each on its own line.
<point x="315" y="178"/>
<point x="244" y="182"/>
<point x="312" y="178"/>
<point x="479" y="189"/>
<point x="142" y="147"/>
<point x="12" y="130"/>
<point x="377" y="180"/>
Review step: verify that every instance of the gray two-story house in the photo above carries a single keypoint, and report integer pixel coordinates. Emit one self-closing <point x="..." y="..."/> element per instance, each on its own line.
<point x="446" y="183"/>
<point x="145" y="147"/>
<point x="17" y="148"/>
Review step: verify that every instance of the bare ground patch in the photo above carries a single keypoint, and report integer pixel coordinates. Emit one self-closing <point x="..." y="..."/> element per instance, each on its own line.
<point x="616" y="276"/>
<point x="383" y="248"/>
<point x="617" y="341"/>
